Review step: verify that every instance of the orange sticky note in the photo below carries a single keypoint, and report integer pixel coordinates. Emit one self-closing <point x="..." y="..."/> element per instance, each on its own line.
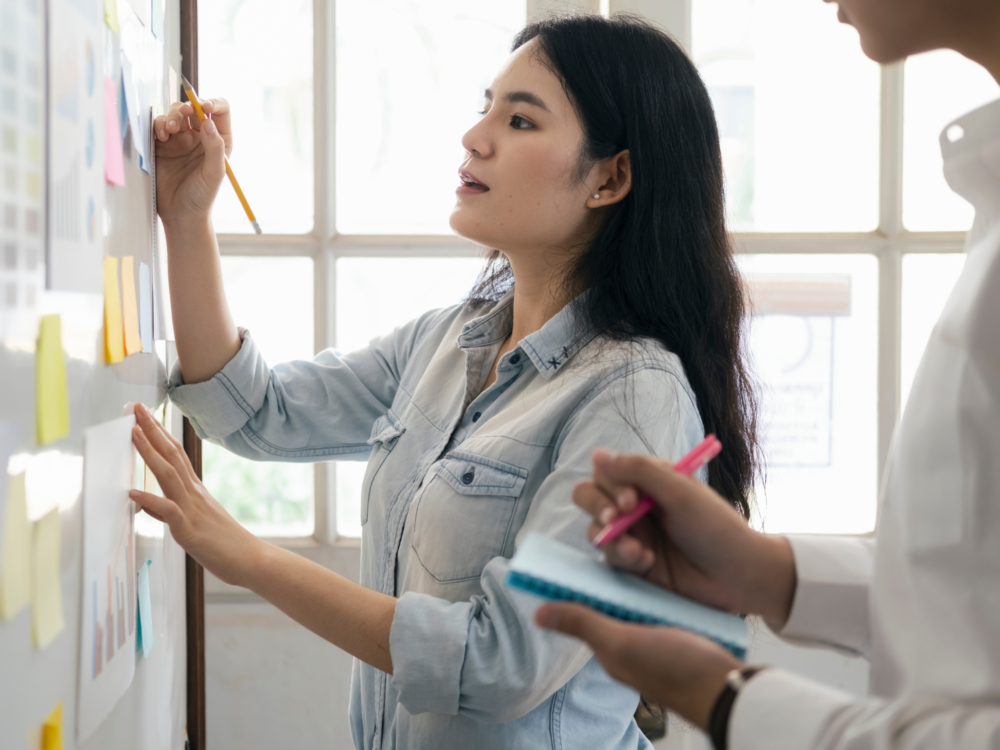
<point x="130" y="308"/>
<point x="114" y="333"/>
<point x="51" y="394"/>
<point x="114" y="164"/>
<point x="52" y="730"/>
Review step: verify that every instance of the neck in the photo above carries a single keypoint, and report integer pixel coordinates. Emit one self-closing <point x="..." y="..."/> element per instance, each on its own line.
<point x="538" y="296"/>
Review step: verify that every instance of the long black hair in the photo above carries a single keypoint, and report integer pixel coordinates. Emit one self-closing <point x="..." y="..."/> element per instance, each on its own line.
<point x="661" y="265"/>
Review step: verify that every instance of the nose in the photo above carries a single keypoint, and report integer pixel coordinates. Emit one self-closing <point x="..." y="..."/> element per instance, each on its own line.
<point x="477" y="139"/>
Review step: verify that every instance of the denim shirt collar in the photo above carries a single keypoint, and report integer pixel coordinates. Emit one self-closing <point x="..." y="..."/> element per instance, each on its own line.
<point x="549" y="348"/>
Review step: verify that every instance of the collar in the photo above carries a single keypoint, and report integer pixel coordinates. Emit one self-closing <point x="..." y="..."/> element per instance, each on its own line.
<point x="549" y="348"/>
<point x="970" y="147"/>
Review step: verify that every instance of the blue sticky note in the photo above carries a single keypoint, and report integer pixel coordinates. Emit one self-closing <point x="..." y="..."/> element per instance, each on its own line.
<point x="145" y="631"/>
<point x="122" y="108"/>
<point x="145" y="309"/>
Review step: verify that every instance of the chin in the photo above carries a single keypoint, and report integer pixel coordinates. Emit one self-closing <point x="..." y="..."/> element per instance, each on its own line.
<point x="469" y="227"/>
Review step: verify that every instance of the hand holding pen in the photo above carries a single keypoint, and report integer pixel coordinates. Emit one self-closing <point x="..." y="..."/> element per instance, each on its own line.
<point x="695" y="543"/>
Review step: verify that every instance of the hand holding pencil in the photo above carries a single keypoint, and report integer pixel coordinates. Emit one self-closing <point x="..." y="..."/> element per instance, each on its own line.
<point x="191" y="158"/>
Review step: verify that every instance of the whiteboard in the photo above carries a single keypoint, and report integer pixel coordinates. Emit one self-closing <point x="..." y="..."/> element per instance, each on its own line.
<point x="152" y="713"/>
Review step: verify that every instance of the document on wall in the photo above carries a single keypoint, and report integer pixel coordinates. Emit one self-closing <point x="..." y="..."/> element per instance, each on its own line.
<point x="76" y="167"/>
<point x="108" y="613"/>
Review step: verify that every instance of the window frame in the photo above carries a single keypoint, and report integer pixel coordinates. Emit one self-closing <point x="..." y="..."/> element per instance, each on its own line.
<point x="889" y="243"/>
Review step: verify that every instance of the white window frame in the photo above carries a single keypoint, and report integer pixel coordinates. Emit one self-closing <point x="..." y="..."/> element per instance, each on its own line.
<point x="889" y="243"/>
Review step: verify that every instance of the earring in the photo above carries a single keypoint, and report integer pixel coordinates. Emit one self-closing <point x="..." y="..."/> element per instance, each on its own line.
<point x="597" y="196"/>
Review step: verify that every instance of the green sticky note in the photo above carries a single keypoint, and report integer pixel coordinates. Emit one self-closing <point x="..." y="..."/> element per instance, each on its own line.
<point x="51" y="395"/>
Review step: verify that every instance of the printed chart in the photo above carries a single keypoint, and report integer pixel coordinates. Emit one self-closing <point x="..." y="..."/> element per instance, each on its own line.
<point x="76" y="166"/>
<point x="107" y="632"/>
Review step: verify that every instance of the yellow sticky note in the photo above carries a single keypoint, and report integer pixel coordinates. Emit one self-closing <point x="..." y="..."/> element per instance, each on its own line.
<point x="51" y="395"/>
<point x="46" y="593"/>
<point x="16" y="563"/>
<point x="52" y="730"/>
<point x="111" y="14"/>
<point x="114" y="333"/>
<point x="130" y="307"/>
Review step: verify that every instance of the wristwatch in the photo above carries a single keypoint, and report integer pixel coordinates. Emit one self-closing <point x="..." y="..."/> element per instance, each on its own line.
<point x="718" y="722"/>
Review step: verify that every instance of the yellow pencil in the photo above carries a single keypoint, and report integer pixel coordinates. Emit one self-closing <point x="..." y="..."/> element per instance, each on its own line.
<point x="193" y="98"/>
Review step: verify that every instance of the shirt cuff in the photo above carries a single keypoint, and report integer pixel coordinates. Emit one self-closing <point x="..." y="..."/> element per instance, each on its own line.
<point x="222" y="405"/>
<point x="427" y="644"/>
<point x="831" y="597"/>
<point x="780" y="709"/>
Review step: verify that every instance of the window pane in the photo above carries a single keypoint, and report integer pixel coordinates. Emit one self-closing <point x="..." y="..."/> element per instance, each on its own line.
<point x="405" y="288"/>
<point x="405" y="97"/>
<point x="798" y="109"/>
<point x="927" y="282"/>
<point x="940" y="87"/>
<point x="262" y="62"/>
<point x="273" y="297"/>
<point x="813" y="343"/>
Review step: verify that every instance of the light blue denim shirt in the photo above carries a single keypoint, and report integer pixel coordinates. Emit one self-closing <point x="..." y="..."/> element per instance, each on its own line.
<point x="455" y="480"/>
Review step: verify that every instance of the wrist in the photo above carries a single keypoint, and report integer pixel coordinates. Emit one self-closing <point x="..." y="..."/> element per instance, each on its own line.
<point x="703" y="694"/>
<point x="773" y="580"/>
<point x="180" y="224"/>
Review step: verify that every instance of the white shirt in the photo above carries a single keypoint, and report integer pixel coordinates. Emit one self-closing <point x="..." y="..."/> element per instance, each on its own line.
<point x="923" y="604"/>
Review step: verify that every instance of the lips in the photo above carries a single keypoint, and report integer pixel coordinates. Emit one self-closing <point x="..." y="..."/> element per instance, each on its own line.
<point x="471" y="183"/>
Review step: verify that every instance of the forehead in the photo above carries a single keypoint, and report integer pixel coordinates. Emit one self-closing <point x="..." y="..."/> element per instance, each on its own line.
<point x="527" y="69"/>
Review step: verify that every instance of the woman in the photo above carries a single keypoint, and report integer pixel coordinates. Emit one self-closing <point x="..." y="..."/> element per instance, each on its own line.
<point x="923" y="603"/>
<point x="610" y="314"/>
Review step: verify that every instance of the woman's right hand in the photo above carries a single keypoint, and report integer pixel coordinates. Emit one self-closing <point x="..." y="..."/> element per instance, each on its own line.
<point x="693" y="542"/>
<point x="190" y="159"/>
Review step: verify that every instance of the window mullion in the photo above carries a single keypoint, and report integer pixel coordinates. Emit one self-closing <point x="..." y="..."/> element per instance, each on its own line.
<point x="890" y="330"/>
<point x="891" y="151"/>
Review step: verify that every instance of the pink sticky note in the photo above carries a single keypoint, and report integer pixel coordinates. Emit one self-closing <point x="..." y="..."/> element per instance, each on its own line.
<point x="114" y="165"/>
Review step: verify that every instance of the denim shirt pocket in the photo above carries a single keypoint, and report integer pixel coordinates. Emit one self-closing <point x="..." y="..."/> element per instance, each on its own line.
<point x="385" y="434"/>
<point x="463" y="516"/>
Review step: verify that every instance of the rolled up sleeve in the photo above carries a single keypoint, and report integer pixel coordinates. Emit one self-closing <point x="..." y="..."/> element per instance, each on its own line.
<point x="486" y="659"/>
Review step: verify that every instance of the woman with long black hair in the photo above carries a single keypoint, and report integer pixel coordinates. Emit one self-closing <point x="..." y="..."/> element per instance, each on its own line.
<point x="610" y="313"/>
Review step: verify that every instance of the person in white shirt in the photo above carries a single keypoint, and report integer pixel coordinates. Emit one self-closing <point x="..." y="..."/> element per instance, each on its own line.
<point x="923" y="603"/>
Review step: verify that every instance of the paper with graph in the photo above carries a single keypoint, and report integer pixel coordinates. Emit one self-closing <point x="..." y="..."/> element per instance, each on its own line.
<point x="76" y="169"/>
<point x="107" y="629"/>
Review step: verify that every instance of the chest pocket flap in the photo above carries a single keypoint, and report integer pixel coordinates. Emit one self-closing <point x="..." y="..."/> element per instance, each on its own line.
<point x="386" y="429"/>
<point x="478" y="475"/>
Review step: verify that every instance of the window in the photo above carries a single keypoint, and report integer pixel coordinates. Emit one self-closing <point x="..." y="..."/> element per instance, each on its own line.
<point x="347" y="144"/>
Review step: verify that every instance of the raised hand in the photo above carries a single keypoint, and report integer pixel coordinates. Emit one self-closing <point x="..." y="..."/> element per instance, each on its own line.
<point x="693" y="542"/>
<point x="190" y="158"/>
<point x="196" y="519"/>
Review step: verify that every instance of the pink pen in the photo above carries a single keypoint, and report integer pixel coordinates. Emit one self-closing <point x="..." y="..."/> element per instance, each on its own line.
<point x="700" y="455"/>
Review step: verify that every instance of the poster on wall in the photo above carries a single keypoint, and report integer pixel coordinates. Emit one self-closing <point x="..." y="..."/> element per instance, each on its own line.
<point x="76" y="146"/>
<point x="22" y="142"/>
<point x="108" y="610"/>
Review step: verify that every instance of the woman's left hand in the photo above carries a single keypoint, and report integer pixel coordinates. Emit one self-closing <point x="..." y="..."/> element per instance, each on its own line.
<point x="197" y="521"/>
<point x="673" y="668"/>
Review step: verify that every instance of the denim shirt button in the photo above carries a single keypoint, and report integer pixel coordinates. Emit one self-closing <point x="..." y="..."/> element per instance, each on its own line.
<point x="476" y="416"/>
<point x="468" y="476"/>
<point x="515" y="359"/>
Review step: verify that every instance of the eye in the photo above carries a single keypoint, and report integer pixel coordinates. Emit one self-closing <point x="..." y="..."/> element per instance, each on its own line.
<point x="519" y="123"/>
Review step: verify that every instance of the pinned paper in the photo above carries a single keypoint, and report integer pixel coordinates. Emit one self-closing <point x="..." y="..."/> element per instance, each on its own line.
<point x="15" y="591"/>
<point x="131" y="99"/>
<point x="114" y="333"/>
<point x="156" y="21"/>
<point x="173" y="92"/>
<point x="114" y="167"/>
<point x="141" y="8"/>
<point x="46" y="593"/>
<point x="140" y="131"/>
<point x="130" y="308"/>
<point x="52" y="730"/>
<point x="111" y="14"/>
<point x="145" y="308"/>
<point x="51" y="396"/>
<point x="144" y="633"/>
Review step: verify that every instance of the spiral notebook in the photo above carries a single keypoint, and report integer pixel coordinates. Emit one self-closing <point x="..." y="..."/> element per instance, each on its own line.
<point x="554" y="570"/>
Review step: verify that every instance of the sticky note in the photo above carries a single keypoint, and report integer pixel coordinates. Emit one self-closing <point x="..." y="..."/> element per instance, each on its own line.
<point x="15" y="591"/>
<point x="140" y="131"/>
<point x="145" y="308"/>
<point x="145" y="630"/>
<point x="114" y="332"/>
<point x="122" y="109"/>
<point x="111" y="14"/>
<point x="131" y="100"/>
<point x="51" y="395"/>
<point x="114" y="166"/>
<point x="156" y="20"/>
<point x="52" y="730"/>
<point x="46" y="593"/>
<point x="130" y="308"/>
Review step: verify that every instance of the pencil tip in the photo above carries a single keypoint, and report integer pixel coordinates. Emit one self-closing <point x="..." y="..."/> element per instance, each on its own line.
<point x="256" y="227"/>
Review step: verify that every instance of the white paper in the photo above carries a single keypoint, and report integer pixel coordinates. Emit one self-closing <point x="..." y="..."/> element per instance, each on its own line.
<point x="108" y="612"/>
<point x="76" y="146"/>
<point x="9" y="436"/>
<point x="141" y="8"/>
<point x="131" y="98"/>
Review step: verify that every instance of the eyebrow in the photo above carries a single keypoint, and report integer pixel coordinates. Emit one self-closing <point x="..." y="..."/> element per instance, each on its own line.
<point x="519" y="96"/>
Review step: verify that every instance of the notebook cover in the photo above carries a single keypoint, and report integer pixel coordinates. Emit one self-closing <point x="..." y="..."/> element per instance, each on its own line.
<point x="555" y="570"/>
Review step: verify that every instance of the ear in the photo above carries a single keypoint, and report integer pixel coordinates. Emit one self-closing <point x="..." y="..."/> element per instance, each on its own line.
<point x="613" y="177"/>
